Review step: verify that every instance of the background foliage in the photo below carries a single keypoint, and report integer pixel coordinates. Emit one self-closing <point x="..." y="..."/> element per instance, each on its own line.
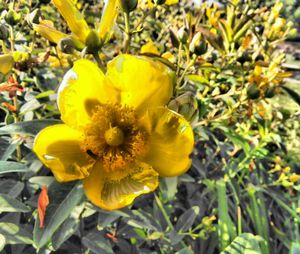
<point x="238" y="84"/>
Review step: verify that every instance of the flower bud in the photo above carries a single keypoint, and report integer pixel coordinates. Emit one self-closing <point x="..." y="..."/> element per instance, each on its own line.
<point x="253" y="92"/>
<point x="12" y="18"/>
<point x="270" y="92"/>
<point x="34" y="16"/>
<point x="4" y="32"/>
<point x="198" y="45"/>
<point x="66" y="45"/>
<point x="182" y="34"/>
<point x="93" y="42"/>
<point x="186" y="105"/>
<point x="128" y="5"/>
<point x="159" y="2"/>
<point x="244" y="57"/>
<point x="6" y="63"/>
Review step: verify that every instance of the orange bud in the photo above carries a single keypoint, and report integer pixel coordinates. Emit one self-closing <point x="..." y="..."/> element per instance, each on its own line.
<point x="10" y="107"/>
<point x="43" y="202"/>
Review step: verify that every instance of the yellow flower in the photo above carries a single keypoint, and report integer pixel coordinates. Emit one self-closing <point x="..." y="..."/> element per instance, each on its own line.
<point x="76" y="22"/>
<point x="149" y="47"/>
<point x="118" y="135"/>
<point x="6" y="63"/>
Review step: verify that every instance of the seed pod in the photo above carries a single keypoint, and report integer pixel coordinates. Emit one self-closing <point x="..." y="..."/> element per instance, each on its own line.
<point x="159" y="2"/>
<point x="270" y="91"/>
<point x="128" y="5"/>
<point x="33" y="17"/>
<point x="66" y="45"/>
<point x="253" y="92"/>
<point x="182" y="35"/>
<point x="12" y="18"/>
<point x="186" y="105"/>
<point x="4" y="32"/>
<point x="244" y="57"/>
<point x="198" y="45"/>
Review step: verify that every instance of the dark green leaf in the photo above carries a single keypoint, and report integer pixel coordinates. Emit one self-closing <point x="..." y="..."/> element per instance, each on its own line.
<point x="64" y="232"/>
<point x="15" y="234"/>
<point x="295" y="96"/>
<point x="187" y="219"/>
<point x="245" y="243"/>
<point x="97" y="243"/>
<point x="62" y="200"/>
<point x="10" y="166"/>
<point x="9" y="204"/>
<point x="30" y="127"/>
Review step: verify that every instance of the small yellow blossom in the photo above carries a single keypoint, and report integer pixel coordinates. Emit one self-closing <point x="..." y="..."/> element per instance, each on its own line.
<point x="6" y="63"/>
<point x="149" y="47"/>
<point x="118" y="135"/>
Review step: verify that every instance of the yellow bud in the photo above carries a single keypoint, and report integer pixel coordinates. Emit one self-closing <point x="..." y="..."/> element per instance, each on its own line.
<point x="294" y="178"/>
<point x="6" y="63"/>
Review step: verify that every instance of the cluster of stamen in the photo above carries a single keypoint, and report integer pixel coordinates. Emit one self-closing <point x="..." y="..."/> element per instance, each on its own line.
<point x="114" y="136"/>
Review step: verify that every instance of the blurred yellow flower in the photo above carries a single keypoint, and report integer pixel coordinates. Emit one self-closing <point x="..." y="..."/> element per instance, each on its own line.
<point x="149" y="47"/>
<point x="6" y="63"/>
<point x="76" y="22"/>
<point x="118" y="135"/>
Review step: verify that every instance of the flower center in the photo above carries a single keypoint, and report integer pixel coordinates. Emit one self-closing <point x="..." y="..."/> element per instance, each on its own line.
<point x="114" y="136"/>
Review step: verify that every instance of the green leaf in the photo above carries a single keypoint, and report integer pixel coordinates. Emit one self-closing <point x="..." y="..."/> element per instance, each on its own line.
<point x="42" y="180"/>
<point x="168" y="187"/>
<point x="295" y="248"/>
<point x="2" y="242"/>
<point x="106" y="218"/>
<point x="15" y="234"/>
<point x="97" y="243"/>
<point x="9" y="151"/>
<point x="62" y="200"/>
<point x="187" y="219"/>
<point x="10" y="166"/>
<point x="64" y="232"/>
<point x="246" y="243"/>
<point x="226" y="228"/>
<point x="198" y="79"/>
<point x="9" y="204"/>
<point x="295" y="96"/>
<point x="29" y="127"/>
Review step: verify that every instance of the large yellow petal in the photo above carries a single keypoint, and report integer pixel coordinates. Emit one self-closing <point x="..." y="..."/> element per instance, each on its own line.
<point x="46" y="29"/>
<point x="73" y="17"/>
<point x="171" y="141"/>
<point x="117" y="189"/>
<point x="83" y="87"/>
<point x="144" y="83"/>
<point x="109" y="15"/>
<point x="58" y="147"/>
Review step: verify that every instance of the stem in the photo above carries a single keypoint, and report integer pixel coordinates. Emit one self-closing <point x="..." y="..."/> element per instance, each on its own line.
<point x="127" y="32"/>
<point x="16" y="120"/>
<point x="12" y="39"/>
<point x="191" y="63"/>
<point x="99" y="61"/>
<point x="179" y="59"/>
<point x="166" y="217"/>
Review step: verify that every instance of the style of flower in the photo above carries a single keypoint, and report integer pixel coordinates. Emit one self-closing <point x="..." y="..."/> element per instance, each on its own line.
<point x="118" y="136"/>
